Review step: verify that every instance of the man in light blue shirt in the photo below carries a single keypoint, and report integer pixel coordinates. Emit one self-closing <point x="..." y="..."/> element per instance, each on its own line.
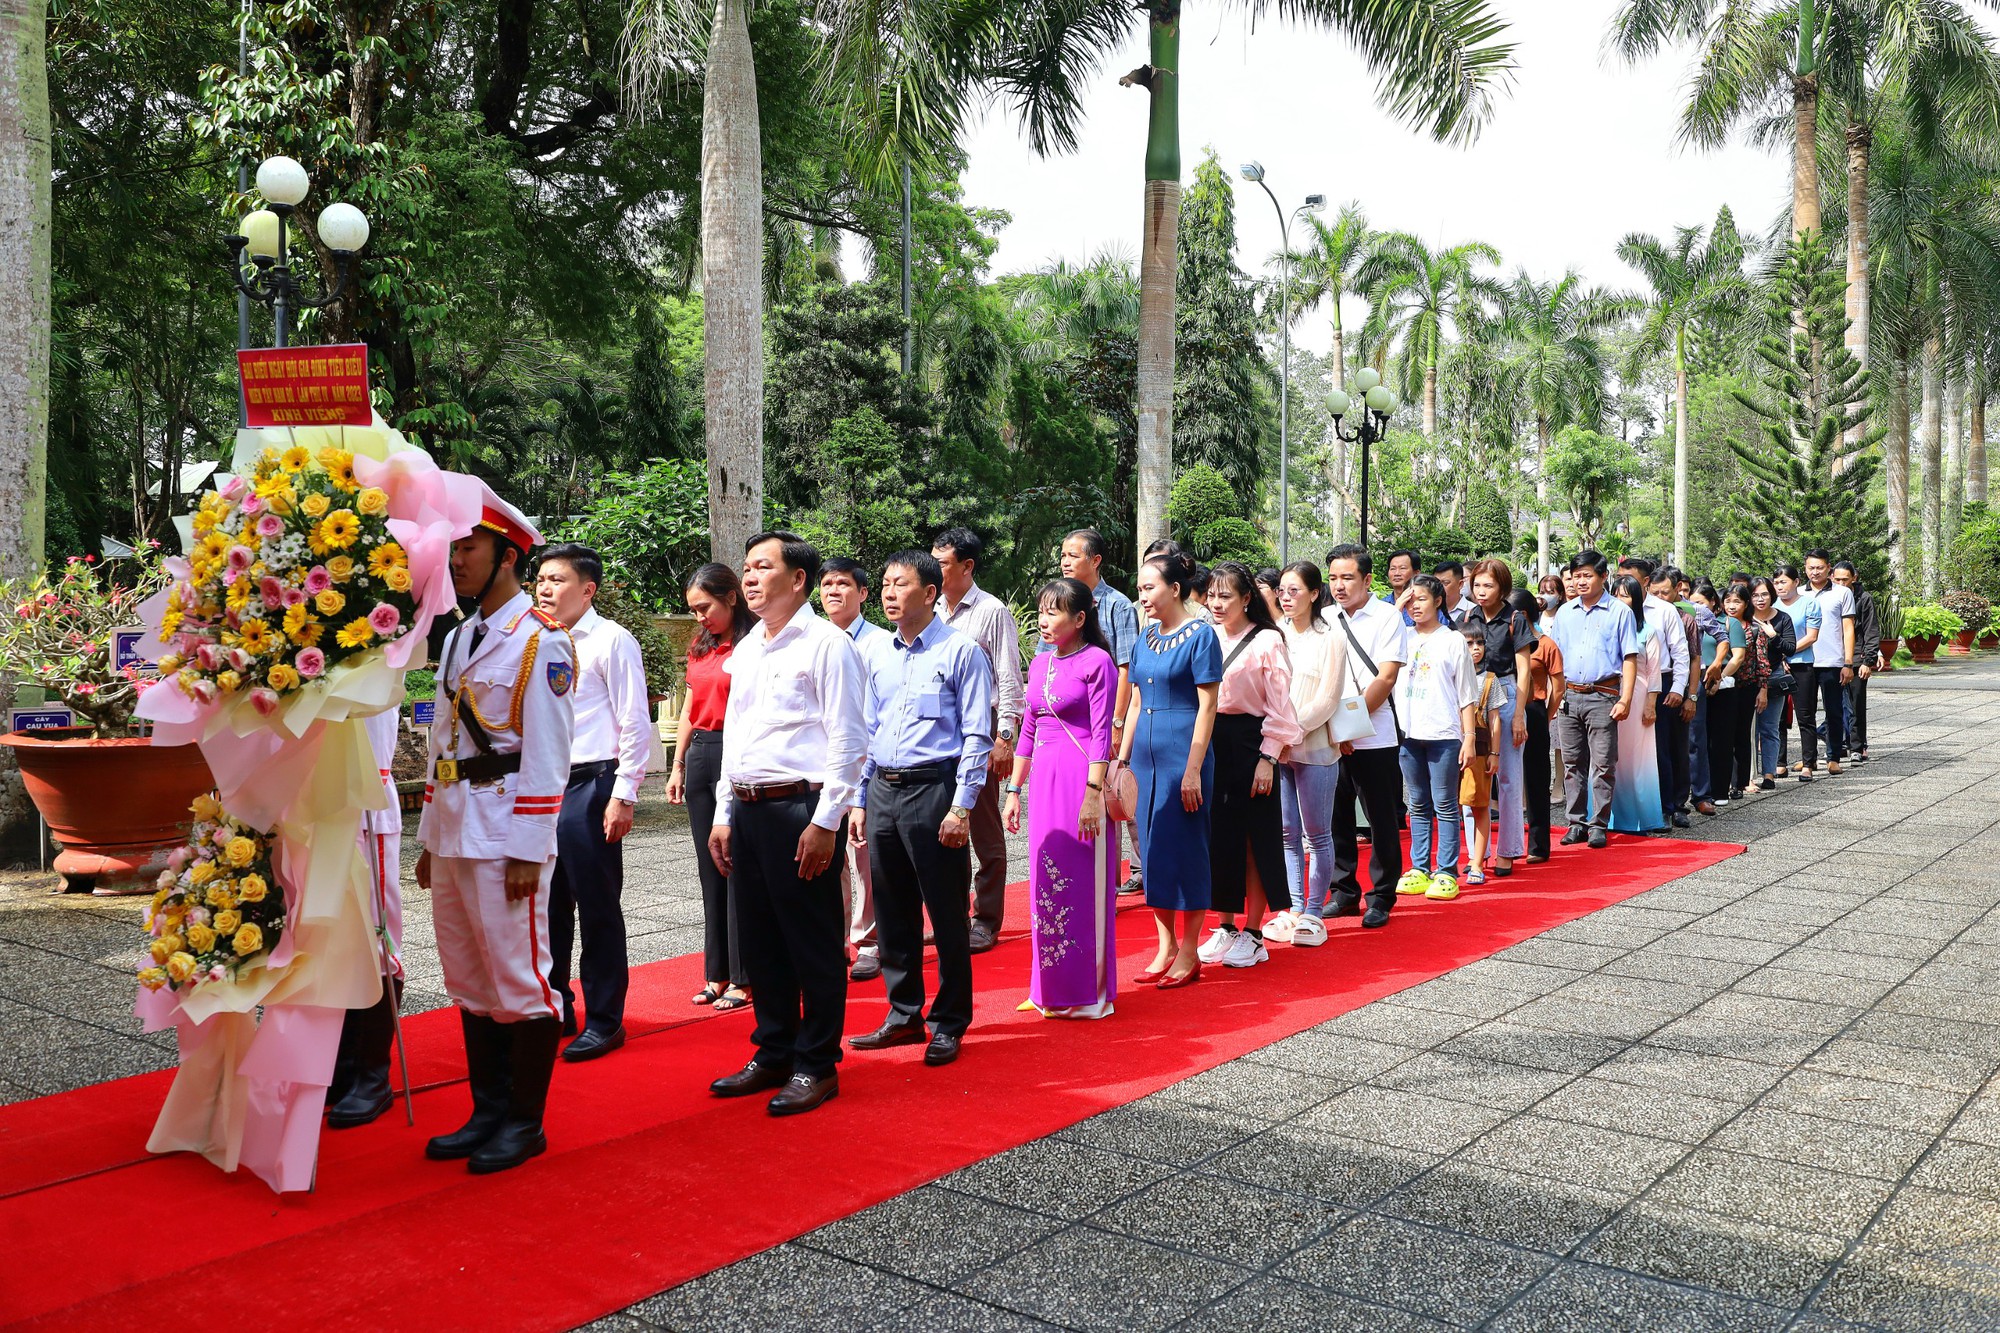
<point x="928" y="705"/>
<point x="1600" y="652"/>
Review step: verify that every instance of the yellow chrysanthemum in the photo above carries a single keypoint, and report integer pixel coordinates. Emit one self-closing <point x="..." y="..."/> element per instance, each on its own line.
<point x="255" y="636"/>
<point x="341" y="568"/>
<point x="398" y="579"/>
<point x="238" y="596"/>
<point x="281" y="501"/>
<point x="200" y="938"/>
<point x="180" y="967"/>
<point x="387" y="556"/>
<point x="329" y="602"/>
<point x="282" y="678"/>
<point x="227" y="922"/>
<point x="241" y="851"/>
<point x="214" y="546"/>
<point x="308" y="634"/>
<point x="295" y="458"/>
<point x="340" y="529"/>
<point x="170" y="622"/>
<point x="249" y="939"/>
<point x="339" y="465"/>
<point x="355" y="633"/>
<point x="315" y="506"/>
<point x="252" y="888"/>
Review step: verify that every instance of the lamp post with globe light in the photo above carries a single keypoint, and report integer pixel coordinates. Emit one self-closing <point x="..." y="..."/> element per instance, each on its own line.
<point x="268" y="276"/>
<point x="1254" y="172"/>
<point x="1378" y="404"/>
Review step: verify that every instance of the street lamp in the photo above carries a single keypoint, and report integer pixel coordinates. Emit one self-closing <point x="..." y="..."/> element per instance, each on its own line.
<point x="1378" y="405"/>
<point x="268" y="277"/>
<point x="1254" y="172"/>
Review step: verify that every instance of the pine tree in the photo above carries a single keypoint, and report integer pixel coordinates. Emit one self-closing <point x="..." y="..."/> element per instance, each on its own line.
<point x="1218" y="416"/>
<point x="1811" y="479"/>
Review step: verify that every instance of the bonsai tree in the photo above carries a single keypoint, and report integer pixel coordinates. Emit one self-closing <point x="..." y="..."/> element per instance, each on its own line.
<point x="56" y="634"/>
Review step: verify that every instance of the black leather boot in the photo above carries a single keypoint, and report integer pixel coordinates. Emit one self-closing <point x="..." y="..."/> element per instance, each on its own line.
<point x="520" y="1135"/>
<point x="342" y="1081"/>
<point x="366" y="1035"/>
<point x="486" y="1068"/>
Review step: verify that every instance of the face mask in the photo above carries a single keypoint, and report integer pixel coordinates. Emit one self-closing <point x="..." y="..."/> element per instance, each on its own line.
<point x="1550" y="601"/>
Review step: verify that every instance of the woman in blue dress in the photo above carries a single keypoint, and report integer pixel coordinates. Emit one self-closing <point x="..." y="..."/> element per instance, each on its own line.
<point x="1176" y="675"/>
<point x="1636" y="806"/>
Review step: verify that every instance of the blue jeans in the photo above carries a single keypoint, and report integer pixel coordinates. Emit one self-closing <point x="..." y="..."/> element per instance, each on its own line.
<point x="1305" y="795"/>
<point x="1430" y="789"/>
<point x="1770" y="726"/>
<point x="1509" y="787"/>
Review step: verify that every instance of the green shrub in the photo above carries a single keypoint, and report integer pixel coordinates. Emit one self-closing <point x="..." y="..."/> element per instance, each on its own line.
<point x="1928" y="620"/>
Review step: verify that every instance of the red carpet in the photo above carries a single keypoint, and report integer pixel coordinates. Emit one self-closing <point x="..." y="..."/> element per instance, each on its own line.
<point x="649" y="1181"/>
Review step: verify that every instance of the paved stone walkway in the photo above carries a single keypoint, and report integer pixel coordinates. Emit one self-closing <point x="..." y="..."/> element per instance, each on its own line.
<point x="1760" y="1097"/>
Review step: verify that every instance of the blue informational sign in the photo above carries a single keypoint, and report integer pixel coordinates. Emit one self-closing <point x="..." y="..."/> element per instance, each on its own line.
<point x="125" y="650"/>
<point x="423" y="712"/>
<point x="50" y="717"/>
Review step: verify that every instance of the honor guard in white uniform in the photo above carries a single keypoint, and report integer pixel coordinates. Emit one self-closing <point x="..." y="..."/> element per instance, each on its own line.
<point x="360" y="1091"/>
<point x="499" y="761"/>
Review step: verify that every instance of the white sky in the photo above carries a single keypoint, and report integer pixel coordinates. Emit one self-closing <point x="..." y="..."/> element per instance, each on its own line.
<point x="1582" y="152"/>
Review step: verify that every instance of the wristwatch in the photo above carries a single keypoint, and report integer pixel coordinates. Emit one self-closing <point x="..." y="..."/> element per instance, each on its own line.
<point x="958" y="812"/>
<point x="1007" y="735"/>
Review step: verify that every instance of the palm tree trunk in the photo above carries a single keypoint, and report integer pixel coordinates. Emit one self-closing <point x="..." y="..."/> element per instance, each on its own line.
<point x="1542" y="496"/>
<point x="1896" y="461"/>
<point x="1680" y="447"/>
<point x="732" y="259"/>
<point x="1338" y="461"/>
<point x="1805" y="123"/>
<point x="1161" y="79"/>
<point x="1975" y="453"/>
<point x="1860" y="141"/>
<point x="1932" y="466"/>
<point x="1954" y="458"/>
<point x="24" y="284"/>
<point x="1431" y="401"/>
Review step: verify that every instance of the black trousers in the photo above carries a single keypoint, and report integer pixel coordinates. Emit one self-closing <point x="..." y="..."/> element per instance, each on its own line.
<point x="1670" y="748"/>
<point x="722" y="961"/>
<point x="1375" y="778"/>
<point x="1728" y="710"/>
<point x="1857" y="714"/>
<point x="1805" y="710"/>
<point x="914" y="873"/>
<point x="589" y="880"/>
<point x="1538" y="772"/>
<point x="794" y="934"/>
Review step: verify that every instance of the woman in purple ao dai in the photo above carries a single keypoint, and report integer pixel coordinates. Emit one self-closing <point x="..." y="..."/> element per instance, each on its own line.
<point x="1064" y="750"/>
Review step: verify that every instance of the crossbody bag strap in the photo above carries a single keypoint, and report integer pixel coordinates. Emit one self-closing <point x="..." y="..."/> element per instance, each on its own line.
<point x="1237" y="651"/>
<point x="1373" y="671"/>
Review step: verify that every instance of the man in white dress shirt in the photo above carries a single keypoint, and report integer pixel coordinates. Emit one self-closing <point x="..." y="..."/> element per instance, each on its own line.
<point x="985" y="620"/>
<point x="613" y="738"/>
<point x="793" y="744"/>
<point x="843" y="592"/>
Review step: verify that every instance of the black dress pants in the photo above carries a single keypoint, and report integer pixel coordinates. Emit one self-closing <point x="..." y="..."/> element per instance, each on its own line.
<point x="794" y="934"/>
<point x="1538" y="772"/>
<point x="1723" y="709"/>
<point x="722" y="960"/>
<point x="1375" y="778"/>
<point x="584" y="892"/>
<point x="1670" y="750"/>
<point x="914" y="873"/>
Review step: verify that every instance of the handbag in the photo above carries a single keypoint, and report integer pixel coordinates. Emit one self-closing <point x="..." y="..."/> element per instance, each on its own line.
<point x="1121" y="797"/>
<point x="1344" y="724"/>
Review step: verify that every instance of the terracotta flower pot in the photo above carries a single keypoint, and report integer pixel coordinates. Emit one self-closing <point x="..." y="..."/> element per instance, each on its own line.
<point x="1962" y="645"/>
<point x="1888" y="655"/>
<point x="117" y="806"/>
<point x="1923" y="648"/>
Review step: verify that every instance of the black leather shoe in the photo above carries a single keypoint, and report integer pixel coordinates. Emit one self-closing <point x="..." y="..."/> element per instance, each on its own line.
<point x="1377" y="916"/>
<point x="805" y="1093"/>
<point x="1599" y="840"/>
<point x="753" y="1077"/>
<point x="593" y="1044"/>
<point x="942" y="1050"/>
<point x="1678" y="820"/>
<point x="893" y="1032"/>
<point x="866" y="967"/>
<point x="1574" y="836"/>
<point x="1342" y="907"/>
<point x="517" y="1141"/>
<point x="980" y="938"/>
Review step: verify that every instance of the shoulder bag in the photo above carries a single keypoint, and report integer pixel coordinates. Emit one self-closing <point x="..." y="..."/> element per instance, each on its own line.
<point x="1351" y="721"/>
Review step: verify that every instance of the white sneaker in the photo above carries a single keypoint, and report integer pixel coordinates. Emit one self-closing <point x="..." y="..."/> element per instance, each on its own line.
<point x="1246" y="950"/>
<point x="1309" y="932"/>
<point x="1219" y="942"/>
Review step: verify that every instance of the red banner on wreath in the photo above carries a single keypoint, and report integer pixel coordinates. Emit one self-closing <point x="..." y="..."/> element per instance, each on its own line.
<point x="305" y="386"/>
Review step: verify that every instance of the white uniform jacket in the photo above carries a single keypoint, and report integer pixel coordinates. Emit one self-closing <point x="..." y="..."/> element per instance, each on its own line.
<point x="513" y="816"/>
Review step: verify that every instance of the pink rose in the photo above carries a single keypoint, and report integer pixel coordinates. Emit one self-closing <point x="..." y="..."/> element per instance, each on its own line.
<point x="206" y="692"/>
<point x="292" y="596"/>
<point x="384" y="619"/>
<point x="178" y="857"/>
<point x="253" y="503"/>
<point x="239" y="660"/>
<point x="240" y="558"/>
<point x="270" y="525"/>
<point x="272" y="591"/>
<point x="264" y="700"/>
<point x="310" y="662"/>
<point x="221" y="836"/>
<point x="318" y="580"/>
<point x="208" y="657"/>
<point x="233" y="489"/>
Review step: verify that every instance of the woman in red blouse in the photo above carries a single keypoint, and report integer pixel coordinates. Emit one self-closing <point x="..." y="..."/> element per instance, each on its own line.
<point x="716" y="597"/>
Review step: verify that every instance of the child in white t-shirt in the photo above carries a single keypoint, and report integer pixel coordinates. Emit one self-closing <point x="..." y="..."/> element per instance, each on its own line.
<point x="1435" y="694"/>
<point x="1475" y="789"/>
